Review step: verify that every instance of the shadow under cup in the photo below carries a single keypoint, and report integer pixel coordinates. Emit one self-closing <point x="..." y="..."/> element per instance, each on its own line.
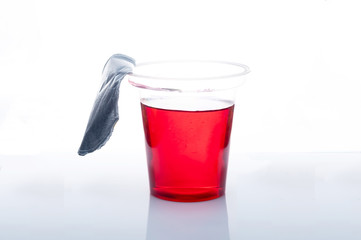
<point x="187" y="109"/>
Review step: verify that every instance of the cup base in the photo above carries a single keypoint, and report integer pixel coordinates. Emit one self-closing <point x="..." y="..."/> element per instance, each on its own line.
<point x="187" y="194"/>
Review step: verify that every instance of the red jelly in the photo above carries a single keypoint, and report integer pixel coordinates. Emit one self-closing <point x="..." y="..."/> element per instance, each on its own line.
<point x="187" y="152"/>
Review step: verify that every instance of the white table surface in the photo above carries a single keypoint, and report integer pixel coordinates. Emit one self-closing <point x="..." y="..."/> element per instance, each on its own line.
<point x="269" y="196"/>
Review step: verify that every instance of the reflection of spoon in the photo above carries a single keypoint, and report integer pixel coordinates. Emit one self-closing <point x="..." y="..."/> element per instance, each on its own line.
<point x="199" y="220"/>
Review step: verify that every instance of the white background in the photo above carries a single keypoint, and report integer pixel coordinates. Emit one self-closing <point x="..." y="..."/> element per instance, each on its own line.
<point x="303" y="94"/>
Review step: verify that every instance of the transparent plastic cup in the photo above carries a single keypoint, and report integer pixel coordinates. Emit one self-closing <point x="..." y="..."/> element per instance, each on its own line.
<point x="187" y="109"/>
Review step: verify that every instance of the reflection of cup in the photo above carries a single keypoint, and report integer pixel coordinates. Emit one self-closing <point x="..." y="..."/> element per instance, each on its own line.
<point x="187" y="109"/>
<point x="201" y="220"/>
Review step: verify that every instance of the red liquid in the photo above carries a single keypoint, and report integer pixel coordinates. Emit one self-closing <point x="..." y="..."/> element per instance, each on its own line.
<point x="187" y="152"/>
